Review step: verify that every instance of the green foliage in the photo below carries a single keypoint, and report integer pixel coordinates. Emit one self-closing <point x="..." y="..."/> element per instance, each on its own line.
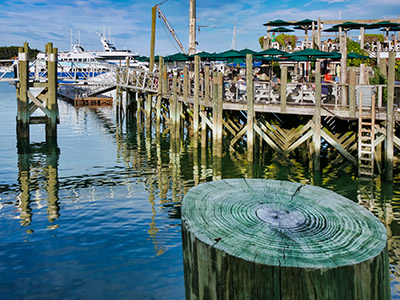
<point x="379" y="78"/>
<point x="286" y="39"/>
<point x="261" y="41"/>
<point x="12" y="51"/>
<point x="397" y="70"/>
<point x="373" y="38"/>
<point x="354" y="47"/>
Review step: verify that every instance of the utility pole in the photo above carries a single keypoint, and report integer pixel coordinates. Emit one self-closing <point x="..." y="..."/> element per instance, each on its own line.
<point x="153" y="37"/>
<point x="192" y="27"/>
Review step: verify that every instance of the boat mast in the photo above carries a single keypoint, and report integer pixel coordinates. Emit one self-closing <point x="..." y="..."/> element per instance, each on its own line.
<point x="233" y="46"/>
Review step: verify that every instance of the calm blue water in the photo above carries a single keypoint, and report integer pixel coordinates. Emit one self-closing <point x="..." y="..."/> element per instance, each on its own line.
<point x="97" y="216"/>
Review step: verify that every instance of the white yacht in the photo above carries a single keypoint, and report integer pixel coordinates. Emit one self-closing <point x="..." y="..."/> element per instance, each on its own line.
<point x="112" y="55"/>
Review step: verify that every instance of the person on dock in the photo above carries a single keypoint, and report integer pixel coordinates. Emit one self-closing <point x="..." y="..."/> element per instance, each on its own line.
<point x="328" y="88"/>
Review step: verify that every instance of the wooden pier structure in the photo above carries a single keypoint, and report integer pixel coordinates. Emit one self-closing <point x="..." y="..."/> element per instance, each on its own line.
<point x="282" y="116"/>
<point x="358" y="123"/>
<point x="33" y="95"/>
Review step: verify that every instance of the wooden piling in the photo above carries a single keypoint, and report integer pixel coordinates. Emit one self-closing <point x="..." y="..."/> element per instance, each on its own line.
<point x="270" y="239"/>
<point x="51" y="103"/>
<point x="207" y="85"/>
<point x="174" y="108"/>
<point x="196" y="94"/>
<point x="153" y="37"/>
<point x="343" y="70"/>
<point x="362" y="35"/>
<point x="319" y="23"/>
<point x="352" y="92"/>
<point x="250" y="107"/>
<point x="382" y="65"/>
<point x="22" y="94"/>
<point x="317" y="119"/>
<point x="283" y="88"/>
<point x="217" y="114"/>
<point x="390" y="119"/>
<point x="164" y="80"/>
<point x="185" y="83"/>
<point x="159" y="96"/>
<point x="363" y="77"/>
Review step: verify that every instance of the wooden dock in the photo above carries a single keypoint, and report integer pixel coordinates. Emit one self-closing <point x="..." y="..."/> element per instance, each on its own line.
<point x="93" y="101"/>
<point x="285" y="116"/>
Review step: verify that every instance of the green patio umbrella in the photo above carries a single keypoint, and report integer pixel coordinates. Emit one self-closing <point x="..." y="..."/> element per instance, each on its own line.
<point x="203" y="55"/>
<point x="280" y="29"/>
<point x="272" y="52"/>
<point x="397" y="28"/>
<point x="247" y="51"/>
<point x="177" y="57"/>
<point x="353" y="55"/>
<point x="302" y="27"/>
<point x="305" y="22"/>
<point x="268" y="59"/>
<point x="229" y="54"/>
<point x="308" y="52"/>
<point x="346" y="26"/>
<point x="278" y="23"/>
<point x="387" y="26"/>
<point x="306" y="25"/>
<point x="298" y="58"/>
<point x="332" y="29"/>
<point x="335" y="55"/>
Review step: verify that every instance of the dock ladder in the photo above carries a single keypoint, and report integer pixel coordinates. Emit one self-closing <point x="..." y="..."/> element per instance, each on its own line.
<point x="366" y="135"/>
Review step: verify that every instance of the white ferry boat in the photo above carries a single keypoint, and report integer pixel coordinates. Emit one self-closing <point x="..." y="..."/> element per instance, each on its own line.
<point x="112" y="55"/>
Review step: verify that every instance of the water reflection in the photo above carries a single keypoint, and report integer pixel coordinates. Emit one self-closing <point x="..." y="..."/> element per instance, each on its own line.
<point x="145" y="163"/>
<point x="38" y="162"/>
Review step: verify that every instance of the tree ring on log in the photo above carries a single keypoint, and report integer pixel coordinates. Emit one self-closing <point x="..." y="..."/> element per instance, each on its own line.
<point x="279" y="223"/>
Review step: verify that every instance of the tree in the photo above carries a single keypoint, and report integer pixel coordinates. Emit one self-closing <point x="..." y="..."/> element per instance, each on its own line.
<point x="12" y="51"/>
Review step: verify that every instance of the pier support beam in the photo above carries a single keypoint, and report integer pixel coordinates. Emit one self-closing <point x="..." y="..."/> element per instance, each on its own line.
<point x="283" y="88"/>
<point x="343" y="69"/>
<point x="217" y="114"/>
<point x="51" y="104"/>
<point x="352" y="93"/>
<point x="317" y="119"/>
<point x="196" y="98"/>
<point x="250" y="107"/>
<point x="22" y="94"/>
<point x="390" y="119"/>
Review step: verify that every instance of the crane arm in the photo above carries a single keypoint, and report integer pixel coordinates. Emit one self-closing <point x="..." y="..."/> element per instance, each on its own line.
<point x="169" y="27"/>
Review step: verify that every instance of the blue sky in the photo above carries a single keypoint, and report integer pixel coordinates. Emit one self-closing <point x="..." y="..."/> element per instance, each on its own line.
<point x="42" y="21"/>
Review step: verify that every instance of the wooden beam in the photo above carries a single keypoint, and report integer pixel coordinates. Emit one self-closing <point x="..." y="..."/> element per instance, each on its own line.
<point x="325" y="135"/>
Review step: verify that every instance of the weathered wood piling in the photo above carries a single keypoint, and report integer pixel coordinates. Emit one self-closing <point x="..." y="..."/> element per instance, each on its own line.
<point x="267" y="239"/>
<point x="33" y="95"/>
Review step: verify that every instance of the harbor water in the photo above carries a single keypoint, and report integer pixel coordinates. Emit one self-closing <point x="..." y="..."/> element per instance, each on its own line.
<point x="97" y="215"/>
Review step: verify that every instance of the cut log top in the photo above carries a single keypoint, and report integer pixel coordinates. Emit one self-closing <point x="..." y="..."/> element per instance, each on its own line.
<point x="283" y="224"/>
